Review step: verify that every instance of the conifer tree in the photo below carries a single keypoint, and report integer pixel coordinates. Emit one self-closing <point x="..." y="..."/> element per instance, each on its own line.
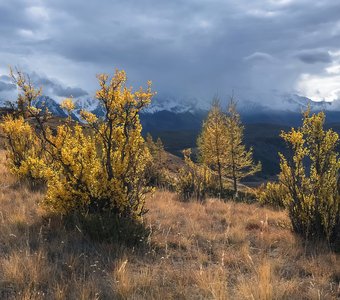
<point x="239" y="161"/>
<point x="212" y="142"/>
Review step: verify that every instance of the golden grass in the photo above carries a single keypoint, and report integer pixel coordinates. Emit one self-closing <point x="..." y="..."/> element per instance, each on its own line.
<point x="210" y="250"/>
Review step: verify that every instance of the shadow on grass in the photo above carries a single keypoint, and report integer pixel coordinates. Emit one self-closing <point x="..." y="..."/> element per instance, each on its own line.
<point x="80" y="254"/>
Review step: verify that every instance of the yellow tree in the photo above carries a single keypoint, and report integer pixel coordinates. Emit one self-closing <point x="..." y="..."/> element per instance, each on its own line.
<point x="239" y="161"/>
<point x="212" y="142"/>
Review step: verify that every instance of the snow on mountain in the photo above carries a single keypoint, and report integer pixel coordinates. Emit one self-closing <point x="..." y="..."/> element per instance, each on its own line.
<point x="178" y="105"/>
<point x="45" y="102"/>
<point x="175" y="104"/>
<point x="88" y="104"/>
<point x="298" y="103"/>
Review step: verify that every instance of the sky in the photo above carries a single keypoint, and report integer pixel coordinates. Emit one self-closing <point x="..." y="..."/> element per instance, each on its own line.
<point x="195" y="48"/>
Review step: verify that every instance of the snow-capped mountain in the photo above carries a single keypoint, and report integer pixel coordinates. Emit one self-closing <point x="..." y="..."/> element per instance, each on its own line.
<point x="297" y="103"/>
<point x="88" y="104"/>
<point x="176" y="104"/>
<point x="168" y="109"/>
<point x="45" y="102"/>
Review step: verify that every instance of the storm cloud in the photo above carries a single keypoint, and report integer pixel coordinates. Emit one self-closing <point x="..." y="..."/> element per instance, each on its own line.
<point x="186" y="47"/>
<point x="53" y="87"/>
<point x="314" y="56"/>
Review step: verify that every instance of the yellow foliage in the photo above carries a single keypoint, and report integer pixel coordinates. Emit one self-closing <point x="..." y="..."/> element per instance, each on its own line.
<point x="24" y="149"/>
<point x="97" y="169"/>
<point x="221" y="146"/>
<point x="67" y="104"/>
<point x="193" y="179"/>
<point x="273" y="194"/>
<point x="311" y="178"/>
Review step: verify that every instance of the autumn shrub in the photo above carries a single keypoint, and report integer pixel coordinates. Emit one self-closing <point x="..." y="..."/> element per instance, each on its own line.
<point x="97" y="168"/>
<point x="24" y="149"/>
<point x="157" y="173"/>
<point x="310" y="174"/>
<point x="272" y="194"/>
<point x="193" y="179"/>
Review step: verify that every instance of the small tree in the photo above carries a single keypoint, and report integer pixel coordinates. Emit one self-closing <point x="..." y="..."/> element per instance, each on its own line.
<point x="212" y="142"/>
<point x="239" y="161"/>
<point x="310" y="173"/>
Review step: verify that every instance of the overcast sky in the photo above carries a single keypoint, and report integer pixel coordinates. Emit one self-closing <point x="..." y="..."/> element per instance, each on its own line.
<point x="186" y="47"/>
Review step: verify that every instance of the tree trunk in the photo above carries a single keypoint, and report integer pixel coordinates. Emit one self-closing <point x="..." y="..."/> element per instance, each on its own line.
<point x="235" y="187"/>
<point x="220" y="177"/>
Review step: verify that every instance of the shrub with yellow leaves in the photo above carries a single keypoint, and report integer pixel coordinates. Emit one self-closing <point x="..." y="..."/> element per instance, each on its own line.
<point x="311" y="178"/>
<point x="25" y="157"/>
<point x="97" y="168"/>
<point x="273" y="194"/>
<point x="193" y="179"/>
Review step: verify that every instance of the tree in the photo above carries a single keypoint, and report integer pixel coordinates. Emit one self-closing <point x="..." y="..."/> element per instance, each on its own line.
<point x="212" y="142"/>
<point x="239" y="161"/>
<point x="310" y="173"/>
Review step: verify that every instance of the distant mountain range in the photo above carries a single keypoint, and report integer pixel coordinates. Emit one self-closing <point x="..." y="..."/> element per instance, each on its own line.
<point x="287" y="104"/>
<point x="178" y="121"/>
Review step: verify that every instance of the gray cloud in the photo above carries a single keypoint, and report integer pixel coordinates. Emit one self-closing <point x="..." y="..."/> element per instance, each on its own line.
<point x="69" y="91"/>
<point x="4" y="86"/>
<point x="5" y="78"/>
<point x="191" y="47"/>
<point x="314" y="56"/>
<point x="53" y="87"/>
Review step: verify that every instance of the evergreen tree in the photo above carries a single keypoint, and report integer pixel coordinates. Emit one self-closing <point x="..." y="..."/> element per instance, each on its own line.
<point x="239" y="161"/>
<point x="212" y="142"/>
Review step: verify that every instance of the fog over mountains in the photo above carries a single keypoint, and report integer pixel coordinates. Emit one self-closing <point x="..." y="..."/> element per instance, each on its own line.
<point x="285" y="110"/>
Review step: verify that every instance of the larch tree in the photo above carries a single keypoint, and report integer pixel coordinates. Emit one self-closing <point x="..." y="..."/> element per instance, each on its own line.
<point x="239" y="161"/>
<point x="212" y="142"/>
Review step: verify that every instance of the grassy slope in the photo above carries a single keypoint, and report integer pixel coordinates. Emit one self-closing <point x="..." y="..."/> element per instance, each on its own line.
<point x="213" y="250"/>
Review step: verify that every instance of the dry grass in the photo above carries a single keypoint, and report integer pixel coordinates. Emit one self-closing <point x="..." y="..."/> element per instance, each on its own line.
<point x="213" y="250"/>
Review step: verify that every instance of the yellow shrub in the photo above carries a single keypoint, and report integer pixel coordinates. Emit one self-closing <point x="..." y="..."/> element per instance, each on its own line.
<point x="273" y="194"/>
<point x="95" y="169"/>
<point x="24" y="151"/>
<point x="311" y="175"/>
<point x="193" y="179"/>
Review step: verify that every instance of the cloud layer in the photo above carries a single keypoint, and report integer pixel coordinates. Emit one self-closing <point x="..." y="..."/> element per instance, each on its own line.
<point x="186" y="47"/>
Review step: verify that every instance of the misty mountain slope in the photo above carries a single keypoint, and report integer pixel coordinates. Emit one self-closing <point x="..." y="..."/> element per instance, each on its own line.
<point x="45" y="102"/>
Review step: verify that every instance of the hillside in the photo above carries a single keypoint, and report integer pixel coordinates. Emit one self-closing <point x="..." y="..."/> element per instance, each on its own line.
<point x="210" y="250"/>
